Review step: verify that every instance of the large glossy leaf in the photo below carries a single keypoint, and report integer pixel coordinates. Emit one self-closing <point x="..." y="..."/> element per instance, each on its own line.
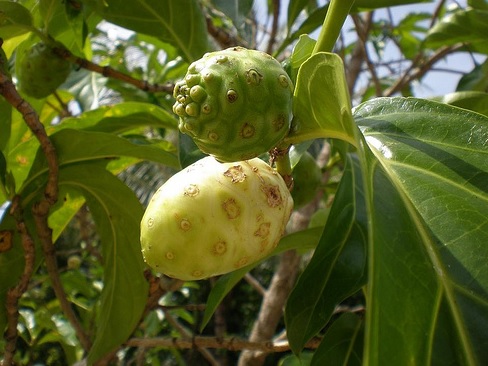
<point x="75" y="146"/>
<point x="468" y="26"/>
<point x="117" y="214"/>
<point x="338" y="266"/>
<point x="426" y="177"/>
<point x="179" y="22"/>
<point x="321" y="102"/>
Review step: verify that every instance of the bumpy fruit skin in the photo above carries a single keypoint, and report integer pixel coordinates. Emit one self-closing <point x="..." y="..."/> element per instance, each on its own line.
<point x="41" y="71"/>
<point x="212" y="218"/>
<point x="235" y="103"/>
<point x="306" y="180"/>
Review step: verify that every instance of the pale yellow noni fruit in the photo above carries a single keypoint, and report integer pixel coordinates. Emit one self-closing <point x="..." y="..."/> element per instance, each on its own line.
<point x="212" y="218"/>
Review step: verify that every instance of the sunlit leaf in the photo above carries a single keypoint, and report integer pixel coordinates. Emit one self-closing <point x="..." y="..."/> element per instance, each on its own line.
<point x="427" y="196"/>
<point x="468" y="26"/>
<point x="321" y="101"/>
<point x="472" y="100"/>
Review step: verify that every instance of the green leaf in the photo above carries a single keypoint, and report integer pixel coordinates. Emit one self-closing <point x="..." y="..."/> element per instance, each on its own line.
<point x="321" y="101"/>
<point x="237" y="11"/>
<point x="427" y="197"/>
<point x="15" y="19"/>
<point x="310" y="24"/>
<point x="475" y="80"/>
<point x="472" y="100"/>
<point x="178" y="22"/>
<point x="342" y="344"/>
<point x="119" y="118"/>
<point x="75" y="146"/>
<point x="117" y="214"/>
<point x="295" y="7"/>
<point x="63" y="26"/>
<point x="302" y="240"/>
<point x="468" y="26"/>
<point x="338" y="266"/>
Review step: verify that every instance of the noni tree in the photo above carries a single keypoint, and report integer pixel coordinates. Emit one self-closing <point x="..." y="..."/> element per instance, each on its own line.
<point x="243" y="182"/>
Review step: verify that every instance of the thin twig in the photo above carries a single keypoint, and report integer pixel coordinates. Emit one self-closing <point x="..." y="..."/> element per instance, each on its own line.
<point x="274" y="26"/>
<point x="186" y="334"/>
<point x="107" y="71"/>
<point x="255" y="284"/>
<point x="362" y="31"/>
<point x="414" y="73"/>
<point x="231" y="344"/>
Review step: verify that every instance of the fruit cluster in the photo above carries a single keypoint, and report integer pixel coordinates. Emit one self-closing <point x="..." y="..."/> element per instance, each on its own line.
<point x="230" y="209"/>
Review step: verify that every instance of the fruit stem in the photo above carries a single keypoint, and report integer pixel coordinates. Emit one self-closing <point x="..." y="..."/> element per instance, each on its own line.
<point x="334" y="20"/>
<point x="281" y="157"/>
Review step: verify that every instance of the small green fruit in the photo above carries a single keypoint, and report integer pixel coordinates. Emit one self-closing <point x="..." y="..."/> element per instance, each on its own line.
<point x="306" y="180"/>
<point x="41" y="71"/>
<point x="235" y="103"/>
<point x="212" y="218"/>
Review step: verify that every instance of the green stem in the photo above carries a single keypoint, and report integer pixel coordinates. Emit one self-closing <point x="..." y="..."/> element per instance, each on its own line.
<point x="334" y="20"/>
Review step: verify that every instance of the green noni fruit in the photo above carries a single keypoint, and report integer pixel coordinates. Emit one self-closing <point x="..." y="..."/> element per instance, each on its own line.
<point x="235" y="103"/>
<point x="212" y="218"/>
<point x="41" y="71"/>
<point x="307" y="178"/>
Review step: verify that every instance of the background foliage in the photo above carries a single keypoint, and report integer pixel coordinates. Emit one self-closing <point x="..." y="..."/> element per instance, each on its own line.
<point x="384" y="259"/>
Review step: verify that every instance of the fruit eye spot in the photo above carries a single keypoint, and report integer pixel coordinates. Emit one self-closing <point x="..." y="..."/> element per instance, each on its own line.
<point x="253" y="77"/>
<point x="231" y="208"/>
<point x="150" y="222"/>
<point x="242" y="262"/>
<point x="263" y="230"/>
<point x="247" y="130"/>
<point x="283" y="80"/>
<point x="231" y="95"/>
<point x="222" y="59"/>
<point x="197" y="273"/>
<point x="170" y="255"/>
<point x="235" y="173"/>
<point x="273" y="195"/>
<point x="191" y="191"/>
<point x="219" y="248"/>
<point x="185" y="225"/>
<point x="279" y="122"/>
<point x="206" y="109"/>
<point x="213" y="136"/>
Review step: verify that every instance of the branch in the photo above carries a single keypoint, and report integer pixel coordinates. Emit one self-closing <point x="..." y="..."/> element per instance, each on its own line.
<point x="231" y="344"/>
<point x="14" y="294"/>
<point x="41" y="209"/>
<point x="416" y="72"/>
<point x="107" y="71"/>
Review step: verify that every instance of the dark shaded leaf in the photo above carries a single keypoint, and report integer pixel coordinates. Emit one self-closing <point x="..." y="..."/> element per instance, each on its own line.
<point x="342" y="344"/>
<point x="338" y="266"/>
